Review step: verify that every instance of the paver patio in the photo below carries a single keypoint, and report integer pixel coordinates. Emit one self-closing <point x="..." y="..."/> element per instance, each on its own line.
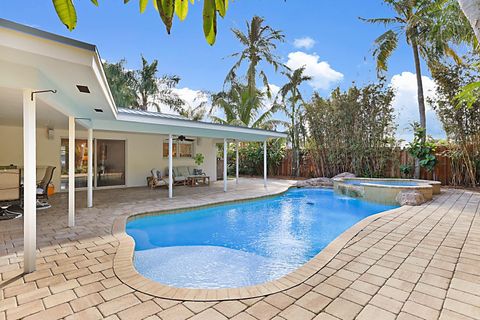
<point x="414" y="263"/>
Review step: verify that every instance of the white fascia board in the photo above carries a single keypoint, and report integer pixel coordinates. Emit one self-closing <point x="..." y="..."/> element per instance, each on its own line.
<point x="151" y="128"/>
<point x="97" y="67"/>
<point x="222" y="130"/>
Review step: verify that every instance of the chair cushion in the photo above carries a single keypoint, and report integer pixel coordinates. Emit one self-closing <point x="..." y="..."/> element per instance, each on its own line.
<point x="197" y="172"/>
<point x="183" y="171"/>
<point x="160" y="183"/>
<point x="156" y="173"/>
<point x="179" y="178"/>
<point x="175" y="172"/>
<point x="39" y="191"/>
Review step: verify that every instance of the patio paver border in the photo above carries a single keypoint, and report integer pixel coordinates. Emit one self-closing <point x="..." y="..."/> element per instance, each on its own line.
<point x="124" y="269"/>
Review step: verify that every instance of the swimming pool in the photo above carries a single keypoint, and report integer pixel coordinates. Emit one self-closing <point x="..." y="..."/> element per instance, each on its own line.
<point x="242" y="244"/>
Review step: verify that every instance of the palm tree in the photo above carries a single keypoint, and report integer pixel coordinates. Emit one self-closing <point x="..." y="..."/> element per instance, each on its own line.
<point x="258" y="45"/>
<point x="427" y="31"/>
<point x="242" y="109"/>
<point x="153" y="92"/>
<point x="194" y="113"/>
<point x="141" y="89"/>
<point x="291" y="96"/>
<point x="197" y="112"/>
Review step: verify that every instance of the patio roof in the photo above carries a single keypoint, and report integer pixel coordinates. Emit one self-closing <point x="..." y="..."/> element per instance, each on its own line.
<point x="39" y="60"/>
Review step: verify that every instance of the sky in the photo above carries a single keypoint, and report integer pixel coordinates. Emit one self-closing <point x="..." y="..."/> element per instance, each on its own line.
<point x="325" y="36"/>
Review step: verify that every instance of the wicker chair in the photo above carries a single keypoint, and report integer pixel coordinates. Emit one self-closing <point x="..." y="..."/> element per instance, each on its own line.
<point x="156" y="180"/>
<point x="42" y="187"/>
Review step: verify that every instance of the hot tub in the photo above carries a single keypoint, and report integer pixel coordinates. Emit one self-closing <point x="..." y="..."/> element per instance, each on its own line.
<point x="384" y="190"/>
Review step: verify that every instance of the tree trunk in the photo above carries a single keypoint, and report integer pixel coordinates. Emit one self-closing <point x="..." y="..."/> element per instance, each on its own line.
<point x="251" y="80"/>
<point x="294" y="150"/>
<point x="420" y="98"/>
<point x="471" y="9"/>
<point x="297" y="152"/>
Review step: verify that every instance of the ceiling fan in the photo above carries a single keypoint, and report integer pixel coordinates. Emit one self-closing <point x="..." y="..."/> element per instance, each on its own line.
<point x="183" y="138"/>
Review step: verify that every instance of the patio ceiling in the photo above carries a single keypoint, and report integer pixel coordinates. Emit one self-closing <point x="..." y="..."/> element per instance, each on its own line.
<point x="38" y="60"/>
<point x="11" y="111"/>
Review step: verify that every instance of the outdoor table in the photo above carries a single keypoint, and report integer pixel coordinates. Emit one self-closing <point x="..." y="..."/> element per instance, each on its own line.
<point x="195" y="179"/>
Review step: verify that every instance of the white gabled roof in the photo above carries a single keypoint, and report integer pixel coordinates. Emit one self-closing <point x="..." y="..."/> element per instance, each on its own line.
<point x="39" y="60"/>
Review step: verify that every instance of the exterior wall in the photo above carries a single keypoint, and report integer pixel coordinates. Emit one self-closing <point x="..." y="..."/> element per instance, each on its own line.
<point x="143" y="152"/>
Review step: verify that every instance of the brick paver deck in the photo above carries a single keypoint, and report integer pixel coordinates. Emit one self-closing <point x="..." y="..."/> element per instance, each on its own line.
<point x="414" y="263"/>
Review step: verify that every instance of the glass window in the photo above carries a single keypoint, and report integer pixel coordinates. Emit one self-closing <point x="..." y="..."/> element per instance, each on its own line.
<point x="110" y="163"/>
<point x="165" y="149"/>
<point x="186" y="149"/>
<point x="81" y="160"/>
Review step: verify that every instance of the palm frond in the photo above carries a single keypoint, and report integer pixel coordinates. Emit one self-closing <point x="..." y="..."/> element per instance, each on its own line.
<point x="385" y="46"/>
<point x="384" y="21"/>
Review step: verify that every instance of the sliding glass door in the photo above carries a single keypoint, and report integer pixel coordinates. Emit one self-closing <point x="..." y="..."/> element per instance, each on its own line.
<point x="109" y="166"/>
<point x="81" y="159"/>
<point x="110" y="163"/>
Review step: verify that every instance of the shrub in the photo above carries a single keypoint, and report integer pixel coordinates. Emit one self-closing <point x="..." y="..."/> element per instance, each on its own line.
<point x="353" y="130"/>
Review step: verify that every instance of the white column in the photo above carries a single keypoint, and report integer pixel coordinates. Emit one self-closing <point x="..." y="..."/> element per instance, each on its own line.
<point x="265" y="163"/>
<point x="29" y="182"/>
<point x="71" y="171"/>
<point x="170" y="166"/>
<point x="90" y="169"/>
<point x="236" y="162"/>
<point x="225" y="154"/>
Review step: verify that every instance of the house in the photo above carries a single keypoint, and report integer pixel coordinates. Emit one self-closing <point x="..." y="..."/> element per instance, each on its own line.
<point x="56" y="109"/>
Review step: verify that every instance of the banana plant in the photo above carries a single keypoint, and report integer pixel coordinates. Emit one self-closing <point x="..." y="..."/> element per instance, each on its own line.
<point x="166" y="8"/>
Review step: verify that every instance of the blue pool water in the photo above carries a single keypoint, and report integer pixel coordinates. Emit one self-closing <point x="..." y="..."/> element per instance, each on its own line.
<point x="384" y="183"/>
<point x="245" y="243"/>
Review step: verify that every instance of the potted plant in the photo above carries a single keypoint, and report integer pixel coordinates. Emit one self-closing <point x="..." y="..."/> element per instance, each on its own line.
<point x="199" y="159"/>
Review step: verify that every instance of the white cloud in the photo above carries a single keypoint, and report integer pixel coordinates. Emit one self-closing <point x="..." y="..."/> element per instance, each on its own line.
<point x="268" y="102"/>
<point x="304" y="43"/>
<point x="323" y="76"/>
<point x="406" y="105"/>
<point x="192" y="97"/>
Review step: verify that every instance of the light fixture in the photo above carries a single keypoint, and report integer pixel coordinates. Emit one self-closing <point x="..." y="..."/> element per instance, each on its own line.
<point x="83" y="89"/>
<point x="50" y="133"/>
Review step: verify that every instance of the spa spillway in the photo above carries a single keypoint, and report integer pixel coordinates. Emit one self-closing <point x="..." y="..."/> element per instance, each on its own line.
<point x="384" y="190"/>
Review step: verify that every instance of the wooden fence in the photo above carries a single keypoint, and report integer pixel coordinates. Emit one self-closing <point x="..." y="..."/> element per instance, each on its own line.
<point x="309" y="169"/>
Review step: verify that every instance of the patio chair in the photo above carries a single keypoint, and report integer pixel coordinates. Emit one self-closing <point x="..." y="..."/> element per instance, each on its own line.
<point x="42" y="187"/>
<point x="9" y="191"/>
<point x="180" y="175"/>
<point x="156" y="180"/>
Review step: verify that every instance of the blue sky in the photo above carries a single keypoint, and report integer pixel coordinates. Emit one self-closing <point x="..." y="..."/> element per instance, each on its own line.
<point x="340" y="54"/>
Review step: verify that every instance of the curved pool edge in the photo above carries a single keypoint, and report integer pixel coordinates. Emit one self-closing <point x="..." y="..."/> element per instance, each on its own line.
<point x="124" y="269"/>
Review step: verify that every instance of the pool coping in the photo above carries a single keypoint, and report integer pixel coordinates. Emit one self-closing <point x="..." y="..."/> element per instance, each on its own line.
<point x="422" y="184"/>
<point x="124" y="268"/>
